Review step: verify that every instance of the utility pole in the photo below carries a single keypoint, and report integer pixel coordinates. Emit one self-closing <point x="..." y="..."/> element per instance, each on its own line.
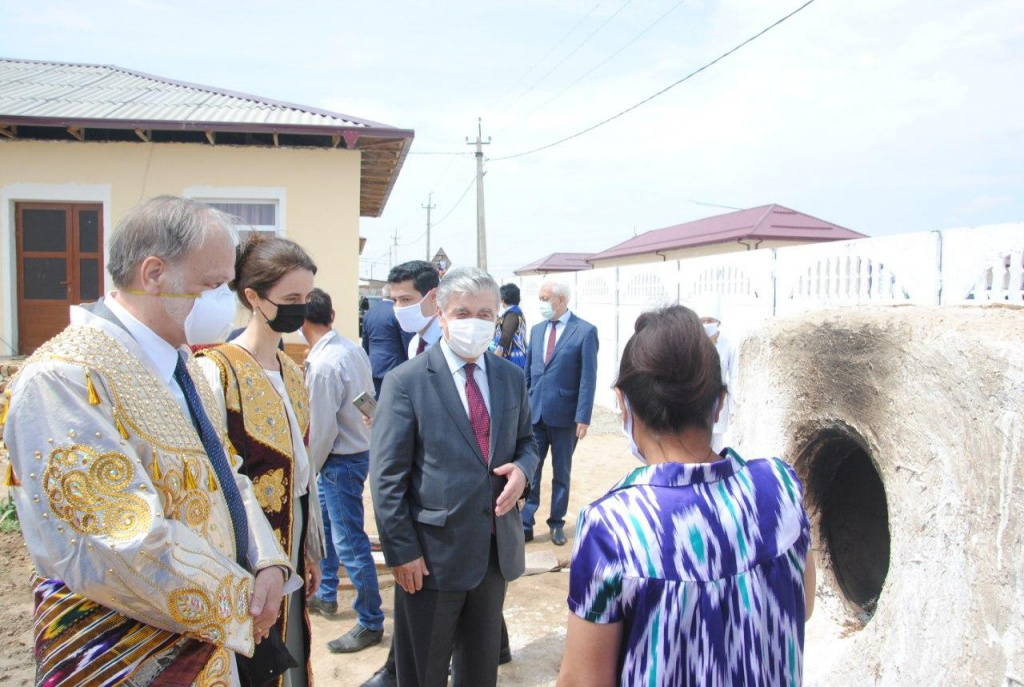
<point x="393" y="257"/>
<point x="428" y="207"/>
<point x="481" y="231"/>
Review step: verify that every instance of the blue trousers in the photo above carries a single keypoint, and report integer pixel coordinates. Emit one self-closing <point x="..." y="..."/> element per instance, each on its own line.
<point x="562" y="441"/>
<point x="341" y="498"/>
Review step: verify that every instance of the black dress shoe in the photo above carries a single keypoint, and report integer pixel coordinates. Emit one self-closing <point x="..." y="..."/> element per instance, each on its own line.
<point x="356" y="639"/>
<point x="382" y="678"/>
<point x="557" y="536"/>
<point x="528" y="535"/>
<point x="318" y="605"/>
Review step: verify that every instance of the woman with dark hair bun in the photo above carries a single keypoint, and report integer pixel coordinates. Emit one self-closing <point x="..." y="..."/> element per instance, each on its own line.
<point x="696" y="568"/>
<point x="263" y="396"/>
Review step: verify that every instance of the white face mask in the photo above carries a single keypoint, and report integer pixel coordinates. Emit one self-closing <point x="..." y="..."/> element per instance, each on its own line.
<point x="411" y="318"/>
<point x="627" y="429"/>
<point x="547" y="311"/>
<point x="211" y="316"/>
<point x="469" y="338"/>
<point x="711" y="328"/>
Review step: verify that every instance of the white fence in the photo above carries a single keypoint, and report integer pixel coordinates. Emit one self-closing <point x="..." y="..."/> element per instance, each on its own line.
<point x="966" y="266"/>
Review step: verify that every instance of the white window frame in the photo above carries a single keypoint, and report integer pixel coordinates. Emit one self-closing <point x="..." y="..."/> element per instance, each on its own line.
<point x="244" y="194"/>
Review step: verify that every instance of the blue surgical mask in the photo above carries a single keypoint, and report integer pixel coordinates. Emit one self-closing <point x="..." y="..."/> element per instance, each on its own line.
<point x="547" y="311"/>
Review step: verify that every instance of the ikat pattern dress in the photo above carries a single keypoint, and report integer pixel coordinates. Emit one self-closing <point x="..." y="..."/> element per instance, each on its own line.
<point x="703" y="565"/>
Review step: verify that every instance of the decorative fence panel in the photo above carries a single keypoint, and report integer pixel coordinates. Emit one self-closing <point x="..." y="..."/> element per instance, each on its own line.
<point x="969" y="266"/>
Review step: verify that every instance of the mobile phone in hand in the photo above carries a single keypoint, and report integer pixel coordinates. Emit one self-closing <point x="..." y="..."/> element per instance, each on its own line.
<point x="366" y="404"/>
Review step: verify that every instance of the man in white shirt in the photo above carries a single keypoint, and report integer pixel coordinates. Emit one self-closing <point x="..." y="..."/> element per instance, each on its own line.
<point x="337" y="372"/>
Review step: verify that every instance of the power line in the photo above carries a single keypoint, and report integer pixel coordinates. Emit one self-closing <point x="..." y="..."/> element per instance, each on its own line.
<point x="607" y="59"/>
<point x="661" y="92"/>
<point x="550" y="50"/>
<point x="457" y="203"/>
<point x="571" y="52"/>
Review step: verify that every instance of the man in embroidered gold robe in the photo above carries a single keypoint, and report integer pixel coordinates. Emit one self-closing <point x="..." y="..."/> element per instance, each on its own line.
<point x="155" y="563"/>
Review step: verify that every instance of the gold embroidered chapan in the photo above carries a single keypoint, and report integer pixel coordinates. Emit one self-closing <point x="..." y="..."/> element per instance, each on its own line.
<point x="124" y="517"/>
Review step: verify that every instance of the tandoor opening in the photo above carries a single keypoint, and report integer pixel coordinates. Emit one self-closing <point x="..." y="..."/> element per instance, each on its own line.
<point x="853" y="516"/>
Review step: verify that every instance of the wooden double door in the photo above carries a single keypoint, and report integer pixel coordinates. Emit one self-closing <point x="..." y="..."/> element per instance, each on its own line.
<point x="60" y="264"/>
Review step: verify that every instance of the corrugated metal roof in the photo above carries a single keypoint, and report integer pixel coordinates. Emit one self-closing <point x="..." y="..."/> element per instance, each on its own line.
<point x="557" y="262"/>
<point x="89" y="97"/>
<point x="70" y="92"/>
<point x="765" y="223"/>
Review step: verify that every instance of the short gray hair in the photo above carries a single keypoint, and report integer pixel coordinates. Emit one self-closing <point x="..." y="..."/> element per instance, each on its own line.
<point x="167" y="227"/>
<point x="559" y="288"/>
<point x="466" y="280"/>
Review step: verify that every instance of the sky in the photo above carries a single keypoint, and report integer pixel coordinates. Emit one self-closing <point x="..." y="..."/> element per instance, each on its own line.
<point x="882" y="116"/>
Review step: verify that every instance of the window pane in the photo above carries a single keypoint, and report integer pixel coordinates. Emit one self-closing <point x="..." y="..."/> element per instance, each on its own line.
<point x="43" y="277"/>
<point x="89" y="278"/>
<point x="258" y="214"/>
<point x="44" y="230"/>
<point x="89" y="231"/>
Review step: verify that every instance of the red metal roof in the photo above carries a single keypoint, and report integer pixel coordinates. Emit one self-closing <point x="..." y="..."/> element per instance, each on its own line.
<point x="557" y="262"/>
<point x="764" y="223"/>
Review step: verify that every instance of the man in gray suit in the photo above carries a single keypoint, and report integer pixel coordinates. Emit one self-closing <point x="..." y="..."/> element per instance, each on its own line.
<point x="451" y="449"/>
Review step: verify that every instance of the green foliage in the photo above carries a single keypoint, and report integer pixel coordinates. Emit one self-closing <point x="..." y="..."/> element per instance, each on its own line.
<point x="9" y="516"/>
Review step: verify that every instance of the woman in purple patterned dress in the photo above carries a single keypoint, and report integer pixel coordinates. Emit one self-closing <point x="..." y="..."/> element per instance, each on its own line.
<point x="695" y="569"/>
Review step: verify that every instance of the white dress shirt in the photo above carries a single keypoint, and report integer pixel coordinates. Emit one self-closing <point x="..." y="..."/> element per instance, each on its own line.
<point x="432" y="335"/>
<point x="458" y="369"/>
<point x="163" y="355"/>
<point x="562" y="321"/>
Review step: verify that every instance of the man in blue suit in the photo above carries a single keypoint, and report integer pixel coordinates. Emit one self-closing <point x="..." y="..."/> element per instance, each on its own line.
<point x="561" y="372"/>
<point x="383" y="340"/>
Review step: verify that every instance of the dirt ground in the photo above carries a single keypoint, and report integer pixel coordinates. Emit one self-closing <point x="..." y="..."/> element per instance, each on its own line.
<point x="535" y="608"/>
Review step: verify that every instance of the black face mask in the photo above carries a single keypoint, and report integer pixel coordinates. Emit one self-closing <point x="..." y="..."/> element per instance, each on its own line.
<point x="289" y="318"/>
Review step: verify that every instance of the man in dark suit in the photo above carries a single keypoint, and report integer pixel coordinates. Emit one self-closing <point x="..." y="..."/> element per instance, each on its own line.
<point x="383" y="340"/>
<point x="561" y="371"/>
<point x="451" y="450"/>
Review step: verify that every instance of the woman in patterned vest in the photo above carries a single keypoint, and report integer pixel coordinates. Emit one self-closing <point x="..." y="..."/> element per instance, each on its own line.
<point x="262" y="394"/>
<point x="695" y="569"/>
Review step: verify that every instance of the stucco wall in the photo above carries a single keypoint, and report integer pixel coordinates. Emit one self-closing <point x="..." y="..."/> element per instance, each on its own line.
<point x="317" y="191"/>
<point x="933" y="397"/>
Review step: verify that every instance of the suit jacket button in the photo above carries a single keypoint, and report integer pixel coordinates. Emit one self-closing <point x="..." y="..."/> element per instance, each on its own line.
<point x="486" y="511"/>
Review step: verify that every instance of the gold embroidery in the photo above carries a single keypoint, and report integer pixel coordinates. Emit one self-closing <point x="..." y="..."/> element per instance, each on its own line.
<point x="205" y="618"/>
<point x="262" y="408"/>
<point x="271" y="490"/>
<point x="95" y="501"/>
<point x="216" y="672"/>
<point x="298" y="394"/>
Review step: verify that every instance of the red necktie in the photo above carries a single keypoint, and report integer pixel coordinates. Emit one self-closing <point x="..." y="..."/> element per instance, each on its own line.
<point x="421" y="346"/>
<point x="479" y="420"/>
<point x="551" y="342"/>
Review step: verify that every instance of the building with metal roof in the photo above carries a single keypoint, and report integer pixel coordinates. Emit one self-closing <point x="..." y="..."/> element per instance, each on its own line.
<point x="80" y="144"/>
<point x="767" y="226"/>
<point x="556" y="262"/>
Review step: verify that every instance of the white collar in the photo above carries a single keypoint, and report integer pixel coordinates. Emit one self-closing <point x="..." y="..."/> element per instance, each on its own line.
<point x="433" y="333"/>
<point x="455" y="363"/>
<point x="324" y="340"/>
<point x="564" y="319"/>
<point x="163" y="354"/>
